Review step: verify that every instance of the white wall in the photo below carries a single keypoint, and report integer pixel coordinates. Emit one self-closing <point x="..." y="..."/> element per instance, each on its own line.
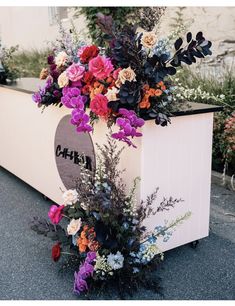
<point x="29" y="27"/>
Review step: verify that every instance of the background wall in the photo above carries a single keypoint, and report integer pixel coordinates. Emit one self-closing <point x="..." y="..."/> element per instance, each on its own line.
<point x="32" y="27"/>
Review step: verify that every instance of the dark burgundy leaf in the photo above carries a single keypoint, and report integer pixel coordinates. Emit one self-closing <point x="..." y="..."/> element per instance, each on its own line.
<point x="178" y="43"/>
<point x="189" y="37"/>
<point x="199" y="36"/>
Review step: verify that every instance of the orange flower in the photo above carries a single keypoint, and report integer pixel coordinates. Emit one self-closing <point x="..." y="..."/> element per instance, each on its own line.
<point x="85" y="241"/>
<point x="151" y="92"/>
<point x="159" y="84"/>
<point x="158" y="92"/>
<point x="83" y="235"/>
<point x="82" y="248"/>
<point x="163" y="87"/>
<point x="145" y="102"/>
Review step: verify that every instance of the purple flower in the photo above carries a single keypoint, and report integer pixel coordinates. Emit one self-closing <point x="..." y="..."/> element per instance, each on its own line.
<point x="81" y="119"/>
<point x="49" y="82"/>
<point x="128" y="124"/>
<point x="37" y="97"/>
<point x="72" y="98"/>
<point x="50" y="59"/>
<point x="86" y="270"/>
<point x="80" y="284"/>
<point x="90" y="257"/>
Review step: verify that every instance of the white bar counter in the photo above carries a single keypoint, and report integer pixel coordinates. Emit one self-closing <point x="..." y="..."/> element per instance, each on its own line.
<point x="176" y="158"/>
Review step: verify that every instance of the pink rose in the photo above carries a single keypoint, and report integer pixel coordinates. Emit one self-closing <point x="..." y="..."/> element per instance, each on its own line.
<point x="75" y="72"/>
<point x="100" y="67"/>
<point x="116" y="72"/>
<point x="99" y="105"/>
<point x="55" y="213"/>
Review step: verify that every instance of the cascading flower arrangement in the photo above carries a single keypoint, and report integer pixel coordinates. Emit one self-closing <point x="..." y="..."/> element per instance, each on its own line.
<point x="125" y="83"/>
<point x="105" y="239"/>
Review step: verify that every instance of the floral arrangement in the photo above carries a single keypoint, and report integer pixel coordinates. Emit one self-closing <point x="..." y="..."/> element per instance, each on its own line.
<point x="105" y="239"/>
<point x="124" y="84"/>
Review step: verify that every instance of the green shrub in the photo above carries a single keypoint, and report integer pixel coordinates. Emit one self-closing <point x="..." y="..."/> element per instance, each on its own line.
<point x="30" y="63"/>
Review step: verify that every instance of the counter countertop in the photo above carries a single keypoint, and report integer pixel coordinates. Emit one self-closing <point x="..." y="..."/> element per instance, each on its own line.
<point x="30" y="85"/>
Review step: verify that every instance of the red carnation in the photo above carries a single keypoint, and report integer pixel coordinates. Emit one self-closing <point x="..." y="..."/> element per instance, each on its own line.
<point x="85" y="90"/>
<point x="88" y="77"/>
<point x="99" y="105"/>
<point x="55" y="252"/>
<point x="89" y="53"/>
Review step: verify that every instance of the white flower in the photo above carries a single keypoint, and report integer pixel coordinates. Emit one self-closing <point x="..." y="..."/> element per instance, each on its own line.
<point x="115" y="260"/>
<point x="70" y="197"/>
<point x="74" y="226"/>
<point x="148" y="39"/>
<point x="61" y="59"/>
<point x="126" y="74"/>
<point x="112" y="94"/>
<point x="63" y="80"/>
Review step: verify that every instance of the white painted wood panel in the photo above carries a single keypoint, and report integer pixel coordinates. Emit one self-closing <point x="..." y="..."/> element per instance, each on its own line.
<point x="177" y="159"/>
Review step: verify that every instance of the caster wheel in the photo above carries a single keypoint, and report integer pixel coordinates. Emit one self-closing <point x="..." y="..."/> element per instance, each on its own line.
<point x="194" y="244"/>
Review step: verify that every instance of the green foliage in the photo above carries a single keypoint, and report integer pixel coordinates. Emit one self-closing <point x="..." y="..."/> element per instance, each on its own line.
<point x="145" y="17"/>
<point x="30" y="63"/>
<point x="119" y="14"/>
<point x="7" y="55"/>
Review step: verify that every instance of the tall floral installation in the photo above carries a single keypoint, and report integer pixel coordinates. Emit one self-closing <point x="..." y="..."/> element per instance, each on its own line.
<point x="104" y="236"/>
<point x="100" y="226"/>
<point x="124" y="84"/>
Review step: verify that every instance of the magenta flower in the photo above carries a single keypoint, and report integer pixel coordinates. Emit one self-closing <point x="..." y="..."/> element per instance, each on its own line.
<point x="90" y="257"/>
<point x="80" y="284"/>
<point x="128" y="124"/>
<point x="81" y="119"/>
<point x="72" y="98"/>
<point x="55" y="213"/>
<point x="100" y="67"/>
<point x="75" y="72"/>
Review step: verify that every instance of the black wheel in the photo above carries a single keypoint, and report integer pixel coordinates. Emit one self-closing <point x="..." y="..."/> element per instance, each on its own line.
<point x="194" y="244"/>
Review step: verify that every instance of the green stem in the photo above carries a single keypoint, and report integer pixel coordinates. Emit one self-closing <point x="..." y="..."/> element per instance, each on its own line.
<point x="67" y="253"/>
<point x="66" y="216"/>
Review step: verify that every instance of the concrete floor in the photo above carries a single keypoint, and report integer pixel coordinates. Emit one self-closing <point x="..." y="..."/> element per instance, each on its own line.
<point x="27" y="272"/>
